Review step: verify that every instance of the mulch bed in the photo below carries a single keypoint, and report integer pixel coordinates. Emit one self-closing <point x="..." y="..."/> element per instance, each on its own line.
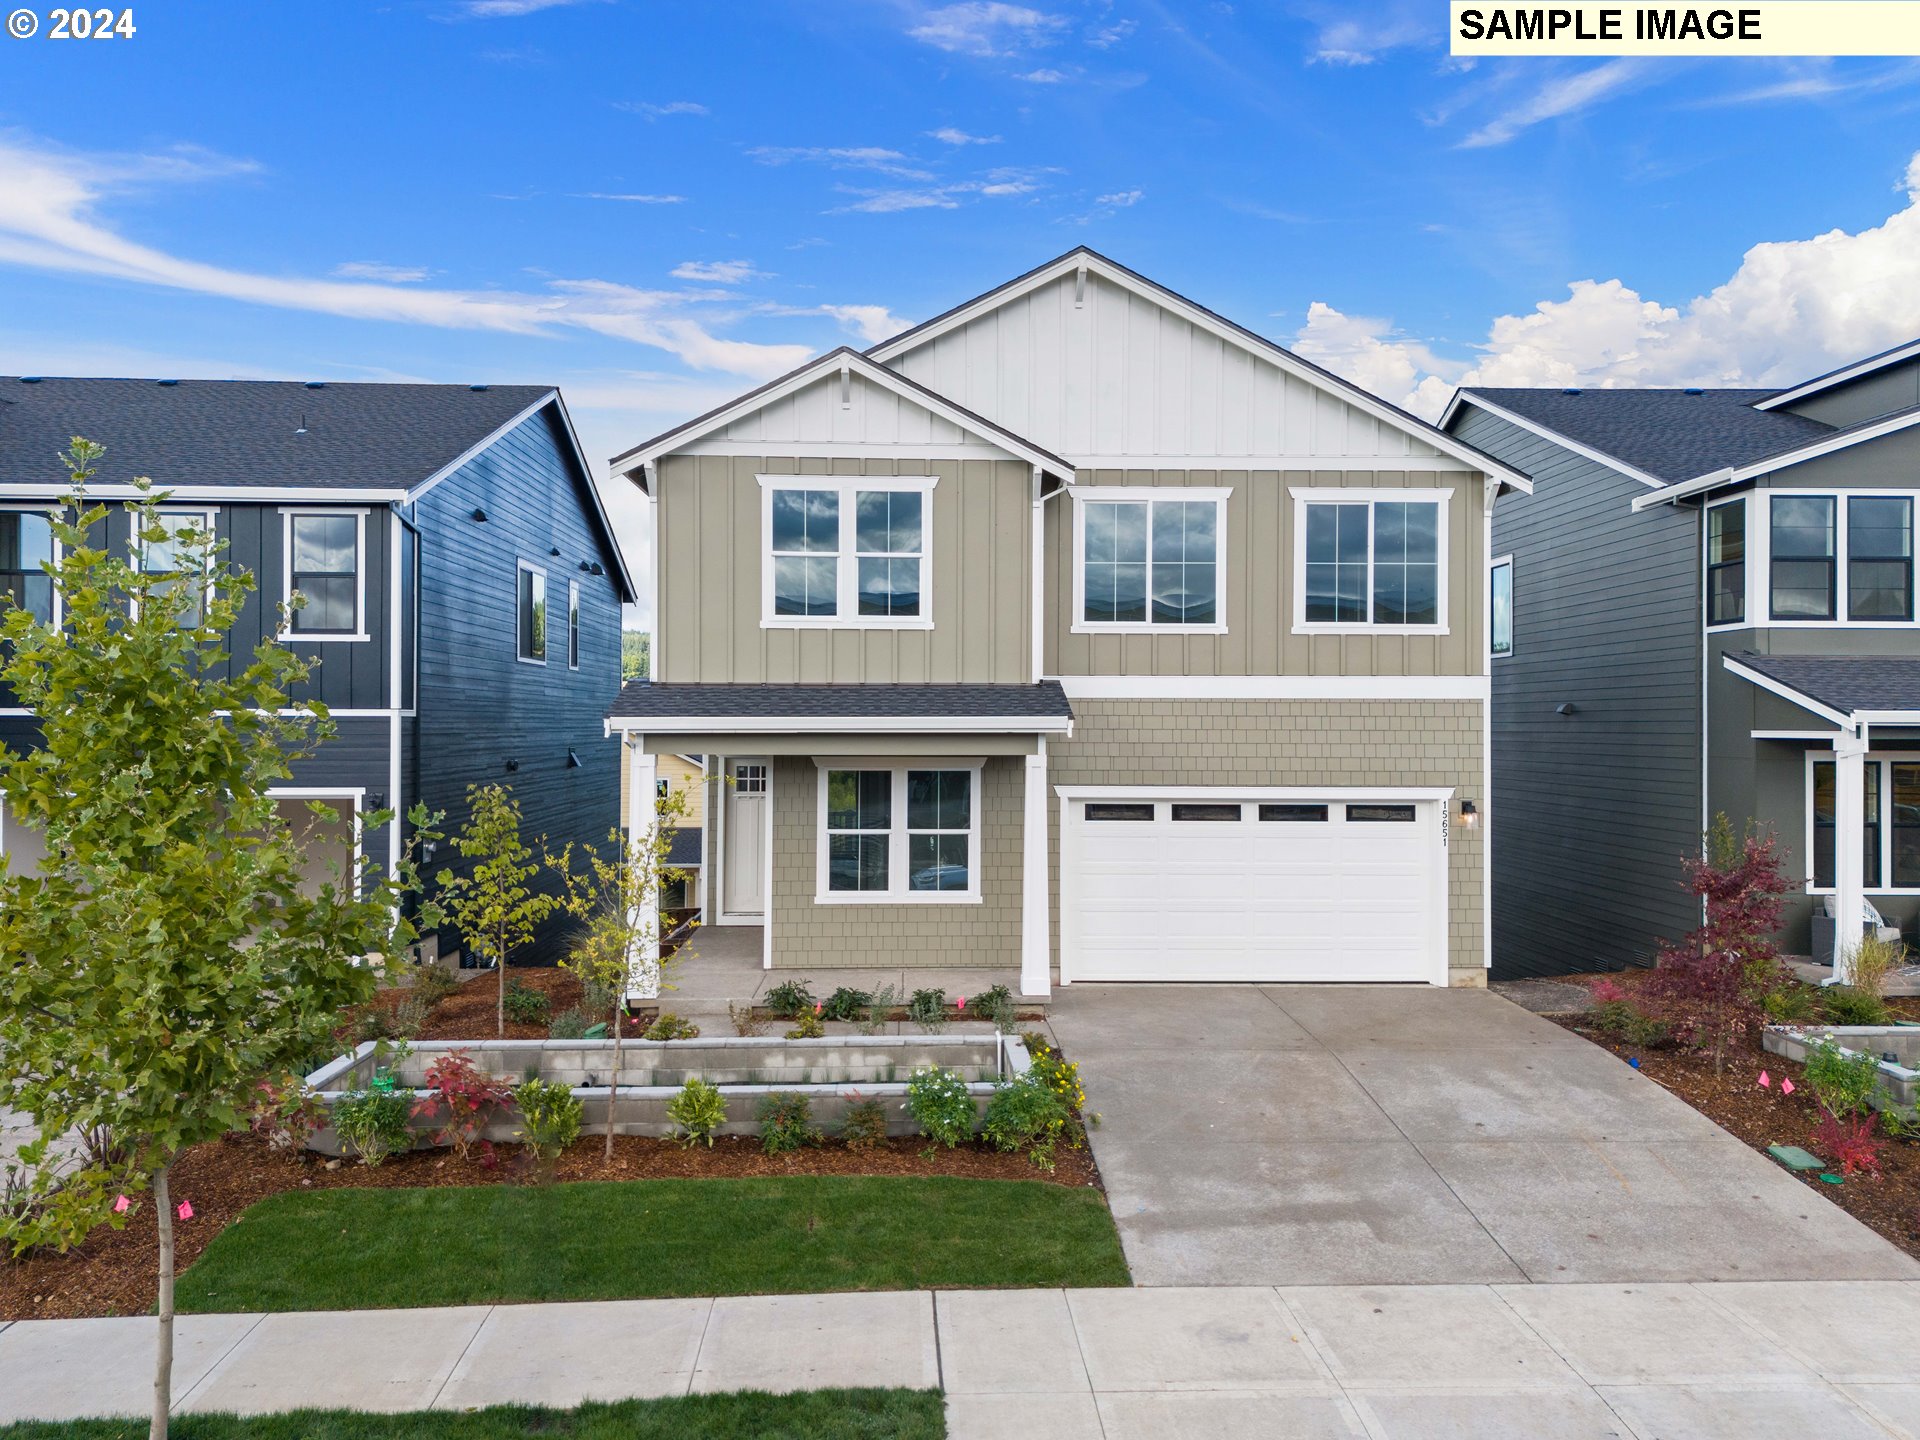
<point x="1888" y="1202"/>
<point x="113" y="1273"/>
<point x="470" y="1013"/>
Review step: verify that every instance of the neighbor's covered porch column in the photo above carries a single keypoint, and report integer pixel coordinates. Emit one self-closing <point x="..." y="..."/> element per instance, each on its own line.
<point x="1036" y="940"/>
<point x="1849" y="863"/>
<point x="643" y="968"/>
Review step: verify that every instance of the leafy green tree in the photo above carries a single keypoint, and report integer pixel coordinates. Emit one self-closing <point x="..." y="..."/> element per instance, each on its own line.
<point x="491" y="903"/>
<point x="166" y="957"/>
<point x="634" y="660"/>
<point x="617" y="899"/>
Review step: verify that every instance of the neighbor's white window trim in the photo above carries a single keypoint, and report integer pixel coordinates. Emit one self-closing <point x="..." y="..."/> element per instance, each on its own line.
<point x="1506" y="562"/>
<point x="289" y="635"/>
<point x="545" y="639"/>
<point x="1147" y="494"/>
<point x="1761" y="618"/>
<point x="136" y="548"/>
<point x="846" y="558"/>
<point x="573" y="624"/>
<point x="1303" y="496"/>
<point x="1885" y="760"/>
<point x="896" y="892"/>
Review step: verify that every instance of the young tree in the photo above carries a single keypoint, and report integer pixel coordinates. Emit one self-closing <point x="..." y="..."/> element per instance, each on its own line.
<point x="1724" y="968"/>
<point x="165" y="958"/>
<point x="491" y="904"/>
<point x="617" y="897"/>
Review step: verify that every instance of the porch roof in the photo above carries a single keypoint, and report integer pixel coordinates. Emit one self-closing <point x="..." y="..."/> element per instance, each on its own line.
<point x="1844" y="689"/>
<point x="680" y="706"/>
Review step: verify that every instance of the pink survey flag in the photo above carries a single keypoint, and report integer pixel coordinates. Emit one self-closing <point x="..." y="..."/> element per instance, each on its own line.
<point x="961" y="1003"/>
<point x="186" y="1210"/>
<point x="1766" y="1080"/>
<point x="120" y="1205"/>
<point x="1786" y="1087"/>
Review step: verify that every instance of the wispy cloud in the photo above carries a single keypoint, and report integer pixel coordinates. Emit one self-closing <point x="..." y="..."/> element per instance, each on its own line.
<point x="986" y="28"/>
<point x="869" y="323"/>
<point x="843" y="157"/>
<point x="948" y="135"/>
<point x="1044" y="77"/>
<point x="506" y="9"/>
<point x="374" y="270"/>
<point x="718" y="272"/>
<point x="1559" y="97"/>
<point x="660" y="111"/>
<point x="1817" y="80"/>
<point x="631" y="199"/>
<point x="1347" y="38"/>
<point x="1105" y="37"/>
<point x="1006" y="181"/>
<point x="1121" y="199"/>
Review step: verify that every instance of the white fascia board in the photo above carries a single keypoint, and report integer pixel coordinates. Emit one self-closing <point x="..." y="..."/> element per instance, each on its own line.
<point x="1534" y="427"/>
<point x="1789" y="694"/>
<point x="1254" y="792"/>
<point x="841" y="725"/>
<point x="1887" y="717"/>
<point x="1274" y="687"/>
<point x="1673" y="494"/>
<point x="1230" y="464"/>
<point x="284" y="494"/>
<point x="1214" y="325"/>
<point x="1839" y="377"/>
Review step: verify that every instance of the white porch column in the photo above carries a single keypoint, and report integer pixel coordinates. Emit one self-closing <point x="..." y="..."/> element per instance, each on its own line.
<point x="1849" y="868"/>
<point x="643" y="968"/>
<point x="1036" y="946"/>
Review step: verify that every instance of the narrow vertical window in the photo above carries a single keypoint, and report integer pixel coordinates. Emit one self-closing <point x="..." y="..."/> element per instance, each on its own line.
<point x="939" y="828"/>
<point x="26" y="544"/>
<point x="573" y="624"/>
<point x="1803" y="557"/>
<point x="887" y="547"/>
<point x="1879" y="557"/>
<point x="325" y="569"/>
<point x="1727" y="564"/>
<point x="1115" y="567"/>
<point x="859" y="828"/>
<point x="1823" y="826"/>
<point x="806" y="552"/>
<point x="1406" y="563"/>
<point x="533" y="614"/>
<point x="1500" y="611"/>
<point x="1337" y="564"/>
<point x="1906" y="826"/>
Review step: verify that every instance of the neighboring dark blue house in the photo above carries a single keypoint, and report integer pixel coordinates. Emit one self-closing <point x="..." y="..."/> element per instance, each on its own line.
<point x="463" y="583"/>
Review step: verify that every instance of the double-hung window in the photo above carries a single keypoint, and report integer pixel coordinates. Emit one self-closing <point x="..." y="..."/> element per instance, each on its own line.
<point x="1371" y="560"/>
<point x="185" y="588"/>
<point x="26" y="544"/>
<point x="1879" y="557"/>
<point x="1500" y="608"/>
<point x="1149" y="559"/>
<point x="851" y="553"/>
<point x="1844" y="557"/>
<point x="531" y="614"/>
<point x="1803" y="541"/>
<point x="1889" y="822"/>
<point x="1727" y="563"/>
<point x="899" y="833"/>
<point x="324" y="549"/>
<point x="1823" y="819"/>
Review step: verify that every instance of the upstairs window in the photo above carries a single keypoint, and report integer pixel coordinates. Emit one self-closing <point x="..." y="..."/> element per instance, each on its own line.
<point x="26" y="544"/>
<point x="1500" y="608"/>
<point x="185" y="592"/>
<point x="532" y="614"/>
<point x="1879" y="557"/>
<point x="1370" y="560"/>
<point x="323" y="565"/>
<point x="573" y="624"/>
<point x="1727" y="564"/>
<point x="846" y="552"/>
<point x="1149" y="559"/>
<point x="1802" y="538"/>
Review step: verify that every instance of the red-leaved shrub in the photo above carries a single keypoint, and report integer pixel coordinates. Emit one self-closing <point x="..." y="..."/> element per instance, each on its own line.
<point x="1607" y="992"/>
<point x="465" y="1094"/>
<point x="1852" y="1143"/>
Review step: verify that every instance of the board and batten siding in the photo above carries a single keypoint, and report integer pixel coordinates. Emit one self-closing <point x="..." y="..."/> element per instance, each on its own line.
<point x="710" y="558"/>
<point x="1121" y="374"/>
<point x="1593" y="811"/>
<point x="1258" y="557"/>
<point x="870" y="415"/>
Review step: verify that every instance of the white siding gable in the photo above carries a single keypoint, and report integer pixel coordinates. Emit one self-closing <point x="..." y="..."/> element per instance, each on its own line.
<point x="868" y="417"/>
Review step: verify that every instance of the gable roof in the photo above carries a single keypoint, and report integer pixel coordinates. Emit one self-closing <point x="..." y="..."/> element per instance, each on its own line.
<point x="845" y="357"/>
<point x="1842" y="687"/>
<point x="1858" y="369"/>
<point x="1083" y="258"/>
<point x="1812" y="448"/>
<point x="1658" y="437"/>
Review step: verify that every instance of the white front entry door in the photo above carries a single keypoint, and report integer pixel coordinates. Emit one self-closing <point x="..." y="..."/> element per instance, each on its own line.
<point x="744" y="885"/>
<point x="1253" y="889"/>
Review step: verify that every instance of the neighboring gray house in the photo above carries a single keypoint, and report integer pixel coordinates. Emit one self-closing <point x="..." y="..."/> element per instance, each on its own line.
<point x="1080" y="629"/>
<point x="1707" y="606"/>
<point x="463" y="586"/>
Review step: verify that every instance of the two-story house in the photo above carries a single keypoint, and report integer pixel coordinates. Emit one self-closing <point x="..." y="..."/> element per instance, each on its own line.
<point x="1706" y="607"/>
<point x="1081" y="629"/>
<point x="462" y="585"/>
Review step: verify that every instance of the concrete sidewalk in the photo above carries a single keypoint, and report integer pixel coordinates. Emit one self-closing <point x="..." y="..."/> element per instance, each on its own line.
<point x="1544" y="1362"/>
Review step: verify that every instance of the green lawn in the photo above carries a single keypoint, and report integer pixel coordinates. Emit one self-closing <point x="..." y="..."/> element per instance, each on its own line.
<point x="361" y="1249"/>
<point x="749" y="1415"/>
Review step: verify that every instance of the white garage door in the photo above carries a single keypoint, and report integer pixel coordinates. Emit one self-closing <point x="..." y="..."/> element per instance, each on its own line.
<point x="1252" y="889"/>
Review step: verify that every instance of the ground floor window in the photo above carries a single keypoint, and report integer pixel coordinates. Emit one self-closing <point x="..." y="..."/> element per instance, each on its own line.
<point x="899" y="832"/>
<point x="1870" y="830"/>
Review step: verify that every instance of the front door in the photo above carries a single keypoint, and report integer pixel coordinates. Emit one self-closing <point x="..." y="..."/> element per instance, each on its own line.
<point x="744" y="884"/>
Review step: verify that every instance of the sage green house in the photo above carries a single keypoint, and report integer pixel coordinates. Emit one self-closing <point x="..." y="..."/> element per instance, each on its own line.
<point x="1083" y="630"/>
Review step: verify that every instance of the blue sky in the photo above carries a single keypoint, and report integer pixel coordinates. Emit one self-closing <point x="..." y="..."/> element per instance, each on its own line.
<point x="655" y="206"/>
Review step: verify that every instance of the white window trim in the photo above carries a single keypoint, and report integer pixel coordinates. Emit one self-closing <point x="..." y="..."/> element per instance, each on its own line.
<point x="1760" y="578"/>
<point x="357" y="798"/>
<point x="519" y="568"/>
<point x="846" y="558"/>
<point x="1748" y="610"/>
<point x="897" y="868"/>
<point x="289" y="635"/>
<point x="207" y="514"/>
<point x="1492" y="653"/>
<point x="1147" y="494"/>
<point x="573" y="624"/>
<point x="53" y="514"/>
<point x="1885" y="760"/>
<point x="1369" y="496"/>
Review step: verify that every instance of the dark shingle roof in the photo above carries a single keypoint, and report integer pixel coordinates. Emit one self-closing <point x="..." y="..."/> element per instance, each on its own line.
<point x="679" y="700"/>
<point x="1847" y="683"/>
<point x="1672" y="435"/>
<point x="683" y="852"/>
<point x="241" y="432"/>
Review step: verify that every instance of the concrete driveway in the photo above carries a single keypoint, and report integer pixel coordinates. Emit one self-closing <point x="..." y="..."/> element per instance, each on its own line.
<point x="1368" y="1135"/>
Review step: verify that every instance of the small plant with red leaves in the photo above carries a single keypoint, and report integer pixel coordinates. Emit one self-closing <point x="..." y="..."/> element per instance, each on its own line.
<point x="285" y="1113"/>
<point x="465" y="1095"/>
<point x="1852" y="1143"/>
<point x="1607" y="992"/>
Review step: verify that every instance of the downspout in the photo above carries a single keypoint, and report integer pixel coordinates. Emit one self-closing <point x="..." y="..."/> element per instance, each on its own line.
<point x="652" y="471"/>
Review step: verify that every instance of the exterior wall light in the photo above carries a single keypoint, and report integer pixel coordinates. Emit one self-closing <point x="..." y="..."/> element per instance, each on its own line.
<point x="1469" y="815"/>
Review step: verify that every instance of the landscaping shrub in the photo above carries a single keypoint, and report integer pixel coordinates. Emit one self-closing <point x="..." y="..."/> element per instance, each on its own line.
<point x="463" y="1095"/>
<point x="846" y="1005"/>
<point x="409" y="1017"/>
<point x="433" y="983"/>
<point x="1848" y="1006"/>
<point x="786" y="1123"/>
<point x="940" y="1105"/>
<point x="1871" y="962"/>
<point x="807" y="1026"/>
<point x="864" y="1126"/>
<point x="550" y="1117"/>
<point x="1623" y="1018"/>
<point x="1852" y="1143"/>
<point x="670" y="1026"/>
<point x="1792" y="1003"/>
<point x="1058" y="1074"/>
<point x="699" y="1110"/>
<point x="746" y="1020"/>
<point x="879" y="1011"/>
<point x="1004" y="1014"/>
<point x="526" y="1005"/>
<point x="988" y="998"/>
<point x="373" y="1124"/>
<point x="788" y="998"/>
<point x="928" y="1010"/>
<point x="596" y="998"/>
<point x="571" y="1023"/>
<point x="1841" y="1080"/>
<point x="285" y="1113"/>
<point x="1026" y="1114"/>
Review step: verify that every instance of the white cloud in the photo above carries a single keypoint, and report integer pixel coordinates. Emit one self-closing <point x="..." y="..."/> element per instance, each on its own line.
<point x="718" y="272"/>
<point x="1792" y="309"/>
<point x="1120" y="199"/>
<point x="48" y="222"/>
<point x="1348" y="39"/>
<point x="843" y="157"/>
<point x="657" y="112"/>
<point x="1004" y="181"/>
<point x="374" y="270"/>
<point x="633" y="199"/>
<point x="1105" y="37"/>
<point x="1559" y="97"/>
<point x="986" y="28"/>
<point x="869" y="323"/>
<point x="500" y="9"/>
<point x="1043" y="77"/>
<point x="948" y="135"/>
